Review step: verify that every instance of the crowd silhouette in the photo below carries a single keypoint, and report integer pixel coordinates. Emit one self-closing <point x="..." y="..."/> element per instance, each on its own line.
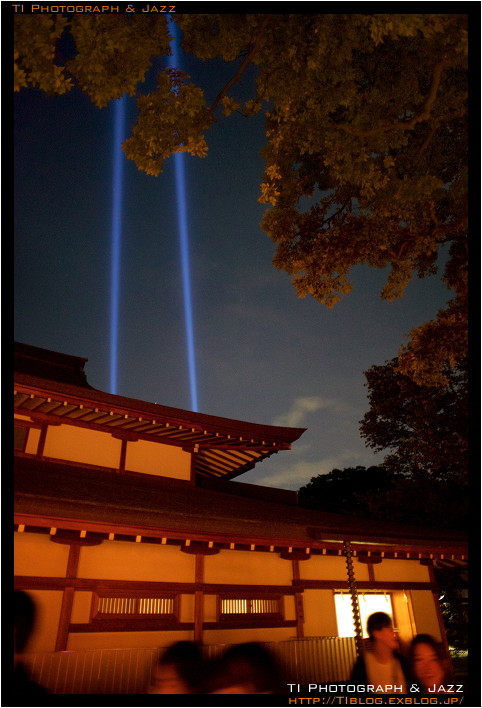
<point x="24" y="617"/>
<point x="241" y="668"/>
<point x="252" y="668"/>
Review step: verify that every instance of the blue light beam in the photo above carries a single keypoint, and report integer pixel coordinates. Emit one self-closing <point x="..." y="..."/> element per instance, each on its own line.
<point x="116" y="237"/>
<point x="184" y="245"/>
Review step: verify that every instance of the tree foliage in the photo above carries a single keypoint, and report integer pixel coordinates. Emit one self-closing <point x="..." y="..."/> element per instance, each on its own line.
<point x="366" y="152"/>
<point x="424" y="428"/>
<point x="379" y="493"/>
<point x="339" y="491"/>
<point x="453" y="586"/>
<point x="421" y="501"/>
<point x="343" y="491"/>
<point x="424" y="477"/>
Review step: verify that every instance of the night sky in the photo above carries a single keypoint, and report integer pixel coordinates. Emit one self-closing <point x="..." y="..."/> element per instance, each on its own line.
<point x="262" y="354"/>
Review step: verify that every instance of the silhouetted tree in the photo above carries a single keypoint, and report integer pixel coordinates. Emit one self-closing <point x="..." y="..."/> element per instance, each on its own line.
<point x="423" y="428"/>
<point x="379" y="493"/>
<point x="343" y="491"/>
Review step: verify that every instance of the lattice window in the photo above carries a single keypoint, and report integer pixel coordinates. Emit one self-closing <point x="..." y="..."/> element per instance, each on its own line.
<point x="231" y="607"/>
<point x="107" y="606"/>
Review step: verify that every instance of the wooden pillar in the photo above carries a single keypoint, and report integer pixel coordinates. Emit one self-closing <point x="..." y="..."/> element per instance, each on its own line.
<point x="199" y="599"/>
<point x="199" y="549"/>
<point x="67" y="599"/>
<point x="299" y="609"/>
<point x="122" y="456"/>
<point x="41" y="442"/>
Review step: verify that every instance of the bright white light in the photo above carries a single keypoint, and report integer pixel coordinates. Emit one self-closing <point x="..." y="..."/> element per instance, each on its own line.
<point x="368" y="604"/>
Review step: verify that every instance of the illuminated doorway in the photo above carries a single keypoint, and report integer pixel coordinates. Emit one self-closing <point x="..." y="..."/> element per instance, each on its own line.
<point x="368" y="604"/>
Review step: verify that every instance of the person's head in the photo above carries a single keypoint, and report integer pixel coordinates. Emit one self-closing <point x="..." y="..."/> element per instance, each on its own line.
<point x="380" y="630"/>
<point x="429" y="663"/>
<point x="24" y="612"/>
<point x="178" y="669"/>
<point x="246" y="668"/>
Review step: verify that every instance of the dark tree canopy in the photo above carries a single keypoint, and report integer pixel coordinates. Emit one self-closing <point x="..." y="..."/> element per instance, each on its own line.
<point x="343" y="491"/>
<point x="423" y="428"/>
<point x="379" y="493"/>
<point x="453" y="600"/>
<point x="366" y="152"/>
<point x="421" y="501"/>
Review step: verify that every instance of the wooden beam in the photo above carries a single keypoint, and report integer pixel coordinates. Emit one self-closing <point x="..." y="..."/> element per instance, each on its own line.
<point x="68" y="523"/>
<point x="67" y="599"/>
<point x="362" y="585"/>
<point x="122" y="456"/>
<point x="199" y="599"/>
<point x="299" y="609"/>
<point x="73" y="561"/>
<point x="32" y="582"/>
<point x="198" y="616"/>
<point x="41" y="442"/>
<point x="300" y="615"/>
<point x="249" y="622"/>
<point x="132" y="625"/>
<point x="65" y="618"/>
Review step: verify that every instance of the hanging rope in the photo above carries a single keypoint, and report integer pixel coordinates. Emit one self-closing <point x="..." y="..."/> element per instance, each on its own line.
<point x="347" y="552"/>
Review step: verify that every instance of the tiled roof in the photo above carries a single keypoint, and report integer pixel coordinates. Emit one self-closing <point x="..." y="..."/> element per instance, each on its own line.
<point x="52" y="386"/>
<point x="70" y="497"/>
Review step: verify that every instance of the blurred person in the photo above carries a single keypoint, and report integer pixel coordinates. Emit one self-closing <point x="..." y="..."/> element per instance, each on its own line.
<point x="430" y="665"/>
<point x="24" y="616"/>
<point x="179" y="670"/>
<point x="382" y="664"/>
<point x="246" y="668"/>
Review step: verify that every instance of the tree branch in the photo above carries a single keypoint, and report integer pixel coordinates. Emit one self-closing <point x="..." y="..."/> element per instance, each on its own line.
<point x="424" y="114"/>
<point x="242" y="68"/>
<point x="440" y="226"/>
<point x="343" y="206"/>
<point x="428" y="139"/>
